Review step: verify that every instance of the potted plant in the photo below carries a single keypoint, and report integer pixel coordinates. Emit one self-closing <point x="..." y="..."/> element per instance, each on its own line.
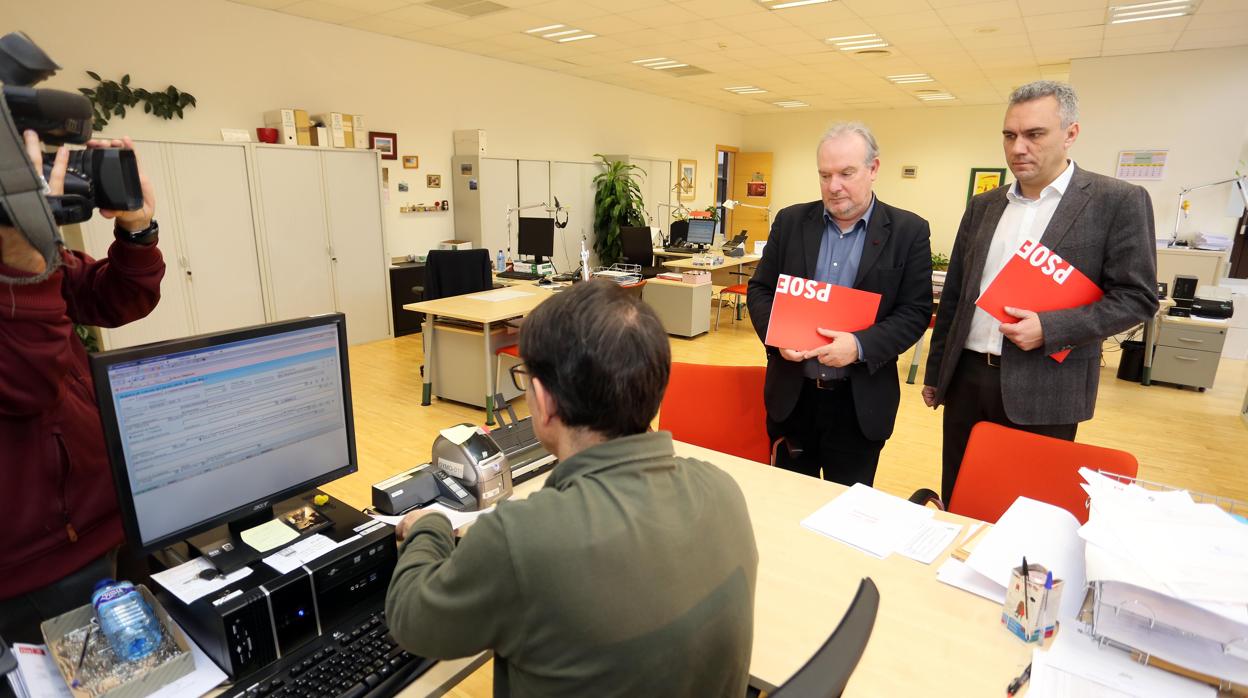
<point x="940" y="267"/>
<point x="617" y="203"/>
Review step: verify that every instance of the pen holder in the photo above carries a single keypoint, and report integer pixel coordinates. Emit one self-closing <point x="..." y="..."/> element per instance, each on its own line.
<point x="1030" y="610"/>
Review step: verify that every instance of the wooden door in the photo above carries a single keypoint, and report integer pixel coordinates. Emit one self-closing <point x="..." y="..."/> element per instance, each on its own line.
<point x="751" y="186"/>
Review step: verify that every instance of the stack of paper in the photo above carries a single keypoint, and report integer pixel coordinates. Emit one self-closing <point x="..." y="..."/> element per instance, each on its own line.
<point x="1044" y="534"/>
<point x="880" y="524"/>
<point x="1076" y="666"/>
<point x="1209" y="241"/>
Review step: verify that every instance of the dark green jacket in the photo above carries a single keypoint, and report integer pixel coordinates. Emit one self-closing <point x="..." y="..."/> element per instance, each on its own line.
<point x="631" y="573"/>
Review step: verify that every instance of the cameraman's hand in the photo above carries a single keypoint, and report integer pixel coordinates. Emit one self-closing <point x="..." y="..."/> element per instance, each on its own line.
<point x="15" y="250"/>
<point x="133" y="221"/>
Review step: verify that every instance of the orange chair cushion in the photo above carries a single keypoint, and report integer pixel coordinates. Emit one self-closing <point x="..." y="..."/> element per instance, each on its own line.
<point x="509" y="350"/>
<point x="739" y="289"/>
<point x="718" y="407"/>
<point x="1002" y="464"/>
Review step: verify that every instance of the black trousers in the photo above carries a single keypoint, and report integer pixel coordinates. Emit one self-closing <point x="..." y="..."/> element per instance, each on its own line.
<point x="825" y="425"/>
<point x="974" y="396"/>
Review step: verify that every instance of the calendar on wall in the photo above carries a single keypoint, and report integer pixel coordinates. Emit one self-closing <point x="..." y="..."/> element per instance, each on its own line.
<point x="1141" y="164"/>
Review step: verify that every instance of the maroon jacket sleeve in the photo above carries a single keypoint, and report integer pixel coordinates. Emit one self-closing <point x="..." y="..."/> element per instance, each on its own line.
<point x="36" y="320"/>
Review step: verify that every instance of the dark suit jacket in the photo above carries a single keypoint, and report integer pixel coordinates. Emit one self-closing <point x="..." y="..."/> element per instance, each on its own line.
<point x="896" y="263"/>
<point x="1104" y="227"/>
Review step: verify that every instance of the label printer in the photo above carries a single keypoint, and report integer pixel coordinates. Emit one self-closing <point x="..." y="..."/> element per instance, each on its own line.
<point x="467" y="472"/>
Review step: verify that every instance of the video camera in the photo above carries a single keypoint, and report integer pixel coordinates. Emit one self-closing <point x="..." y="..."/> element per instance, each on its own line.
<point x="105" y="178"/>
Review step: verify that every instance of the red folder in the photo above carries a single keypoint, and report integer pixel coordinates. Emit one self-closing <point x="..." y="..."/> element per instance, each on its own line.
<point x="801" y="306"/>
<point x="1036" y="279"/>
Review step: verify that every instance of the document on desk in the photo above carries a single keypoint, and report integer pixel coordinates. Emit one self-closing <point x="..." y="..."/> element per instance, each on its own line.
<point x="1075" y="666"/>
<point x="931" y="540"/>
<point x="872" y="521"/>
<point x="1044" y="534"/>
<point x="498" y="295"/>
<point x="459" y="519"/>
<point x="956" y="573"/>
<point x="185" y="583"/>
<point x="303" y="552"/>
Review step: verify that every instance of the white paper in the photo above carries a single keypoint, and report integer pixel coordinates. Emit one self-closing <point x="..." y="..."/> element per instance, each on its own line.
<point x="931" y="540"/>
<point x="459" y="519"/>
<point x="185" y="583"/>
<point x="956" y="573"/>
<point x="498" y="295"/>
<point x="38" y="673"/>
<point x="206" y="676"/>
<point x="875" y="522"/>
<point x="459" y="433"/>
<point x="1044" y="534"/>
<point x="1075" y="666"/>
<point x="302" y="553"/>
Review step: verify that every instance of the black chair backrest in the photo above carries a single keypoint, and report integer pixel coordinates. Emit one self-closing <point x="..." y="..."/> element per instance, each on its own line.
<point x="456" y="272"/>
<point x="679" y="231"/>
<point x="637" y="245"/>
<point x="826" y="674"/>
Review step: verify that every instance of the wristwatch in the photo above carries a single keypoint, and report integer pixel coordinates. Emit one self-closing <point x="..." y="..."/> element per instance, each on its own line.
<point x="146" y="236"/>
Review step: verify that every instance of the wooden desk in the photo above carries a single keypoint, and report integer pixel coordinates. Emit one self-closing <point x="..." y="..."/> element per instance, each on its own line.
<point x="475" y="307"/>
<point x="728" y="263"/>
<point x="929" y="638"/>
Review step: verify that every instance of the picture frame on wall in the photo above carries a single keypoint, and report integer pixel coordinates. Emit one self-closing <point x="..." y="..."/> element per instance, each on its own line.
<point x="433" y="181"/>
<point x="385" y="143"/>
<point x="984" y="179"/>
<point x="688" y="179"/>
<point x="756" y="189"/>
<point x="411" y="162"/>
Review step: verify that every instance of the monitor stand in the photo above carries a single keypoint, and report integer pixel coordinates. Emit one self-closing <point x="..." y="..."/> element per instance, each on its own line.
<point x="223" y="546"/>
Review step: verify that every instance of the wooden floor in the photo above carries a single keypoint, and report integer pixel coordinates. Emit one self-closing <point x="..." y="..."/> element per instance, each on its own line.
<point x="1181" y="437"/>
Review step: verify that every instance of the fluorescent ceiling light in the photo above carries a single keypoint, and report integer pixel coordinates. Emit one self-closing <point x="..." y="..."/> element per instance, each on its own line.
<point x="790" y="104"/>
<point x="1145" y="19"/>
<point x="565" y="32"/>
<point x="911" y="78"/>
<point x="857" y="42"/>
<point x="880" y="44"/>
<point x="577" y="38"/>
<point x="546" y="28"/>
<point x="669" y="67"/>
<point x="643" y="61"/>
<point x="746" y="90"/>
<point x="563" y="35"/>
<point x="1145" y="11"/>
<point x="1138" y="6"/>
<point x="789" y="3"/>
<point x="836" y="39"/>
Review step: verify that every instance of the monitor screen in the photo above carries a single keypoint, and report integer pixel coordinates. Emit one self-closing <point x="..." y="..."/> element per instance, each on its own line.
<point x="205" y="430"/>
<point x="536" y="237"/>
<point x="701" y="231"/>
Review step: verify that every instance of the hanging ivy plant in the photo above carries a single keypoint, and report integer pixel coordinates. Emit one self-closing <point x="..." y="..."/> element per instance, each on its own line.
<point x="111" y="98"/>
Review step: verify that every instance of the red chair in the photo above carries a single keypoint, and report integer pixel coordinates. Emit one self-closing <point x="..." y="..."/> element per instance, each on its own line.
<point x="1002" y="464"/>
<point x="512" y="350"/>
<point x="718" y="407"/>
<point x="738" y="290"/>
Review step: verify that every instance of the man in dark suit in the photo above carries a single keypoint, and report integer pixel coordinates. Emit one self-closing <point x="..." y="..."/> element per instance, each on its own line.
<point x="1102" y="226"/>
<point x="836" y="404"/>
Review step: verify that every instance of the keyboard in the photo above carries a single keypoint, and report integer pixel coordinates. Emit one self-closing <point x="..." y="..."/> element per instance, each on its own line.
<point x="525" y="455"/>
<point x="677" y="248"/>
<point x="518" y="275"/>
<point x="359" y="661"/>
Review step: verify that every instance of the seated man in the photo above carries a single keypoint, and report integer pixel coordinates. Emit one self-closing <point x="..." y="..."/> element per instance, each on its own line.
<point x="631" y="572"/>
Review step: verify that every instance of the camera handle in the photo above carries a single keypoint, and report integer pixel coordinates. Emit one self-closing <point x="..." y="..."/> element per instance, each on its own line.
<point x="22" y="199"/>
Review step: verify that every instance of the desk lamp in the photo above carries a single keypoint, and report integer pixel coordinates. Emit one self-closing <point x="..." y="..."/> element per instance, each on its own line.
<point x="1241" y="182"/>
<point x="556" y="209"/>
<point x="731" y="204"/>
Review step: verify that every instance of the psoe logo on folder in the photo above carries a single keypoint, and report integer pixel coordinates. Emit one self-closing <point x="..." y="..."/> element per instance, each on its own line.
<point x="1045" y="260"/>
<point x="804" y="288"/>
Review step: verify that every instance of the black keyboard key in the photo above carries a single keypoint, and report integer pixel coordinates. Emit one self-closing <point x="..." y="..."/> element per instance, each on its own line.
<point x="372" y="680"/>
<point x="356" y="691"/>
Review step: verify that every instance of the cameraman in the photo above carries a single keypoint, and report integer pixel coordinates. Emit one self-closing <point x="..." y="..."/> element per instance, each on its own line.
<point x="61" y="527"/>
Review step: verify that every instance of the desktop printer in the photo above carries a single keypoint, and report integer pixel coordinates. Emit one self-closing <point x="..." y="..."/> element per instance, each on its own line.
<point x="736" y="246"/>
<point x="1216" y="308"/>
<point x="467" y="472"/>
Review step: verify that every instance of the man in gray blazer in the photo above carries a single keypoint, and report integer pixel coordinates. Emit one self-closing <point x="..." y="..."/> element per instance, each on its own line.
<point x="983" y="370"/>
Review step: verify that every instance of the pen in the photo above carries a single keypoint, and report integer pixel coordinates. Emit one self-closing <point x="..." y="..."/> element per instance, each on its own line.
<point x="1026" y="615"/>
<point x="83" y="655"/>
<point x="1018" y="682"/>
<point x="1044" y="603"/>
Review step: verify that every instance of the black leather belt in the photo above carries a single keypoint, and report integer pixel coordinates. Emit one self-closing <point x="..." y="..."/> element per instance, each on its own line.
<point x="828" y="384"/>
<point x="993" y="360"/>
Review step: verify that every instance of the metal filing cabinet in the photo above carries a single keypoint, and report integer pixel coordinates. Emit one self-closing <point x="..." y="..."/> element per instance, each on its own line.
<point x="1188" y="352"/>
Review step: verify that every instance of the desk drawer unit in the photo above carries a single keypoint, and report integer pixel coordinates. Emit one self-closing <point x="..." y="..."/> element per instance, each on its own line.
<point x="1188" y="354"/>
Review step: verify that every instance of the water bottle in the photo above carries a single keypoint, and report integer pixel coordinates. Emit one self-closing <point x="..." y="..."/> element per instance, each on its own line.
<point x="125" y="619"/>
<point x="499" y="264"/>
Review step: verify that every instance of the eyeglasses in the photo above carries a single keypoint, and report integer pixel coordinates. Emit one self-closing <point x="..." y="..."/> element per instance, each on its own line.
<point x="520" y="377"/>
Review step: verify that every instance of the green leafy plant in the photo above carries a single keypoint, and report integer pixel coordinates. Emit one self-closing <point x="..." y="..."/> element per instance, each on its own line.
<point x="617" y="203"/>
<point x="940" y="261"/>
<point x="714" y="211"/>
<point x="111" y="98"/>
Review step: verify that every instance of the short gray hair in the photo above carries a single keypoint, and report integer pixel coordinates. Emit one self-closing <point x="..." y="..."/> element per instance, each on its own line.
<point x="1067" y="100"/>
<point x="843" y="127"/>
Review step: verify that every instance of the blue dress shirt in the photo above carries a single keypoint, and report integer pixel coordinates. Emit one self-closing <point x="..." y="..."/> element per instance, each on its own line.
<point x="839" y="256"/>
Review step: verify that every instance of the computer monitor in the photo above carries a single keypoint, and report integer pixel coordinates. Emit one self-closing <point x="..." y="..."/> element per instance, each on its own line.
<point x="701" y="231"/>
<point x="206" y="433"/>
<point x="678" y="232"/>
<point x="536" y="238"/>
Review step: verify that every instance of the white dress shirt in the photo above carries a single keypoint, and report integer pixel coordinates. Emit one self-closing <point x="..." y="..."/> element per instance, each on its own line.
<point x="1023" y="219"/>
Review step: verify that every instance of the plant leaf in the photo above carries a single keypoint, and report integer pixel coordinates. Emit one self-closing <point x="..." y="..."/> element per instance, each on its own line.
<point x="94" y="76"/>
<point x="125" y="79"/>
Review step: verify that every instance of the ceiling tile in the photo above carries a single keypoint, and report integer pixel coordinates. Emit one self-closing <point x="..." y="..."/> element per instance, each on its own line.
<point x="423" y="16"/>
<point x="1218" y="20"/>
<point x="568" y="11"/>
<point x="983" y="13"/>
<point x="1173" y="25"/>
<point x="661" y="16"/>
<point x="1067" y="36"/>
<point x="878" y="8"/>
<point x="908" y="21"/>
<point x="1217" y="35"/>
<point x="322" y="11"/>
<point x="1064" y="20"/>
<point x="369" y="7"/>
<point x="989" y="27"/>
<point x="266" y="4"/>
<point x="1046" y="7"/>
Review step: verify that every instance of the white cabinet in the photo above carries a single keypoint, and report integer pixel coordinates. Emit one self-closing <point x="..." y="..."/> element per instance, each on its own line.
<point x="254" y="233"/>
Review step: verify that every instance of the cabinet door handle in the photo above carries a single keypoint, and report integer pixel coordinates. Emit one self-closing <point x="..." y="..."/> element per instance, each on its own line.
<point x="1186" y="358"/>
<point x="1189" y="340"/>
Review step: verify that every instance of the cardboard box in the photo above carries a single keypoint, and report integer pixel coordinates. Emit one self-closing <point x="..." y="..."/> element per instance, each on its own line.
<point x="455" y="245"/>
<point x="303" y="127"/>
<point x="182" y="664"/>
<point x="470" y="142"/>
<point x="697" y="278"/>
<point x="319" y="136"/>
<point x="332" y="121"/>
<point x="284" y="121"/>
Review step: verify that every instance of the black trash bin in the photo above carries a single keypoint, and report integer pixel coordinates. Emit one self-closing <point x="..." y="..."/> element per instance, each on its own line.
<point x="1131" y="365"/>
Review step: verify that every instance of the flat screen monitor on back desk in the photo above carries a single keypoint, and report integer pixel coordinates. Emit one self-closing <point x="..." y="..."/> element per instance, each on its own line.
<point x="536" y="238"/>
<point x="701" y="231"/>
<point x="206" y="433"/>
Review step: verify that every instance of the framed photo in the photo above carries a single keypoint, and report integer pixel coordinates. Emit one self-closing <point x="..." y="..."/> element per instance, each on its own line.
<point x="433" y="181"/>
<point x="984" y="179"/>
<point x="385" y="143"/>
<point x="756" y="189"/>
<point x="687" y="179"/>
<point x="411" y="162"/>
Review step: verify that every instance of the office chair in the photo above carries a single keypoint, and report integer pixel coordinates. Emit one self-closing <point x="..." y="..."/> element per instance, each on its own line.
<point x="1002" y="464"/>
<point x="718" y="407"/>
<point x="638" y="248"/>
<point x="456" y="272"/>
<point x="826" y="674"/>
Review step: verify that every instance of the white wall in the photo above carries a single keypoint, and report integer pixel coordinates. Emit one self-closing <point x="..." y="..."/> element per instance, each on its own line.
<point x="943" y="142"/>
<point x="1193" y="103"/>
<point x="240" y="61"/>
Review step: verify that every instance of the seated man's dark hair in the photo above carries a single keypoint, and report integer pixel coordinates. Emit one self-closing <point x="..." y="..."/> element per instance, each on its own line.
<point x="603" y="356"/>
